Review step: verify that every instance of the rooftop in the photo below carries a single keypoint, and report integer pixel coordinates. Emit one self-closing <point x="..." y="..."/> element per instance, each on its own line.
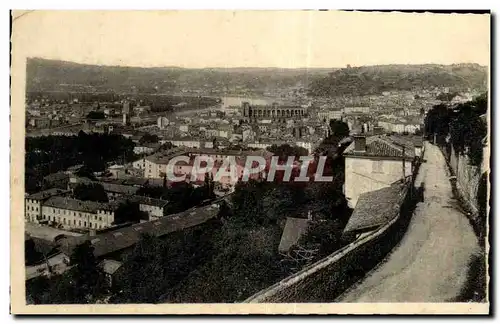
<point x="56" y="176"/>
<point x="382" y="146"/>
<point x="118" y="188"/>
<point x="123" y="238"/>
<point x="148" y="201"/>
<point x="294" y="229"/>
<point x="376" y="208"/>
<point x="110" y="266"/>
<point x="47" y="194"/>
<point x="78" y="205"/>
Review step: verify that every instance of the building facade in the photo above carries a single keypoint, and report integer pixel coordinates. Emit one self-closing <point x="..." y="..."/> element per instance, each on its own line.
<point x="274" y="111"/>
<point x="73" y="213"/>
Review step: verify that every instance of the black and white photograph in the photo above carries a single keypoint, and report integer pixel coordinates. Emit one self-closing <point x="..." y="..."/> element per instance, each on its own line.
<point x="251" y="162"/>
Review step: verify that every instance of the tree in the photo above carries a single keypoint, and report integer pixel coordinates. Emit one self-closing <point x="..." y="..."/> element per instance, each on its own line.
<point x="149" y="138"/>
<point x="446" y="96"/>
<point x="286" y="150"/>
<point x="96" y="115"/>
<point x="92" y="192"/>
<point x="167" y="146"/>
<point x="468" y="129"/>
<point x="31" y="255"/>
<point x="87" y="278"/>
<point x="437" y="121"/>
<point x="86" y="172"/>
<point x="338" y="131"/>
<point x="209" y="185"/>
<point x="324" y="235"/>
<point x="129" y="211"/>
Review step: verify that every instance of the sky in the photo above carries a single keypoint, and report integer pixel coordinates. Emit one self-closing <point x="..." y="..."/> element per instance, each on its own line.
<point x="287" y="39"/>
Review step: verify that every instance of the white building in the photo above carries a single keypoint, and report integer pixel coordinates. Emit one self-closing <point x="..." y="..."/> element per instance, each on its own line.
<point x="162" y="122"/>
<point x="373" y="163"/>
<point x="154" y="207"/>
<point x="357" y="109"/>
<point x="73" y="213"/>
<point x="33" y="203"/>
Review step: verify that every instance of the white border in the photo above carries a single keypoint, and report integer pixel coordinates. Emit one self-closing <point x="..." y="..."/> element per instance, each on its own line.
<point x="145" y="4"/>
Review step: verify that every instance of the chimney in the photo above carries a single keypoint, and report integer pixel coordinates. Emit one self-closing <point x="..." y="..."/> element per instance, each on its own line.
<point x="359" y="143"/>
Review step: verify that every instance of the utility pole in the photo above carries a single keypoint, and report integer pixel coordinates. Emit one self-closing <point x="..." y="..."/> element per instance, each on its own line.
<point x="404" y="166"/>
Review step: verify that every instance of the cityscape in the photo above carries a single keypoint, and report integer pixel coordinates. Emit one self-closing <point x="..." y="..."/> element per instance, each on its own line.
<point x="364" y="183"/>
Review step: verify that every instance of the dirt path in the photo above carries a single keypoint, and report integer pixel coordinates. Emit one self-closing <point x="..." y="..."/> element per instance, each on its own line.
<point x="431" y="262"/>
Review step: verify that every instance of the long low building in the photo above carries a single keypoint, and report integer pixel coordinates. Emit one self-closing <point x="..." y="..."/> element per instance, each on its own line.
<point x="120" y="239"/>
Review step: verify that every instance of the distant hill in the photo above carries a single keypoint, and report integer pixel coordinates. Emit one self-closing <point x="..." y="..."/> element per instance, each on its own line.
<point x="377" y="79"/>
<point x="53" y="75"/>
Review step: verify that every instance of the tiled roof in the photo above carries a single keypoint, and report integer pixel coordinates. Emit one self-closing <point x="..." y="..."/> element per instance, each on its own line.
<point x="47" y="194"/>
<point x="376" y="208"/>
<point x="78" y="205"/>
<point x="117" y="188"/>
<point x="410" y="141"/>
<point x="381" y="146"/>
<point x="56" y="176"/>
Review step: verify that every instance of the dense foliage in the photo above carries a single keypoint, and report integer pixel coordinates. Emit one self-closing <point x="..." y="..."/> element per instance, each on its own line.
<point x="465" y="125"/>
<point x="81" y="284"/>
<point x="129" y="211"/>
<point x="156" y="266"/>
<point x="96" y="115"/>
<point x="92" y="192"/>
<point x="31" y="254"/>
<point x="49" y="154"/>
<point x="148" y="138"/>
<point x="286" y="150"/>
<point x="338" y="131"/>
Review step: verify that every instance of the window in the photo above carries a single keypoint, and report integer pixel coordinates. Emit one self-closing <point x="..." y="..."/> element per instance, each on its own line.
<point x="80" y="214"/>
<point x="79" y="223"/>
<point x="100" y="218"/>
<point x="377" y="167"/>
<point x="74" y="221"/>
<point x="84" y="223"/>
<point x="64" y="221"/>
<point x="90" y="225"/>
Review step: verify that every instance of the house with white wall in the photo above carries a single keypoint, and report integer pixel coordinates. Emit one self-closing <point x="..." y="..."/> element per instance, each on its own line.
<point x="373" y="163"/>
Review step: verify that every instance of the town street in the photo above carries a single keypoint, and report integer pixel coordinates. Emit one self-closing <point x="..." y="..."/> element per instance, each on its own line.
<point x="431" y="262"/>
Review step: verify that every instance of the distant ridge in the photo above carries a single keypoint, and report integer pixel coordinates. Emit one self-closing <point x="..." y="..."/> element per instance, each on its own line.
<point x="55" y="75"/>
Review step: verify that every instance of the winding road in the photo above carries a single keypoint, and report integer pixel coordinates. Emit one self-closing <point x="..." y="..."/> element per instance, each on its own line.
<point x="431" y="262"/>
